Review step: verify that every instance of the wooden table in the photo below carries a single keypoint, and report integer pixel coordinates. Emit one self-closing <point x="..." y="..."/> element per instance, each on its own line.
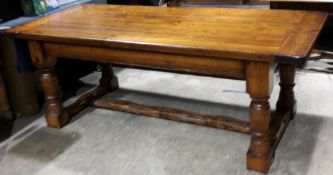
<point x="230" y="43"/>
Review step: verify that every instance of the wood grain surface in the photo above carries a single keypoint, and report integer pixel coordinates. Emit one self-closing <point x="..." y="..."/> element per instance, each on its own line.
<point x="248" y="34"/>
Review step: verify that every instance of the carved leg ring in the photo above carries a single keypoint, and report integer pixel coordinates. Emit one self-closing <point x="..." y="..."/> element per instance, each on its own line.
<point x="258" y="156"/>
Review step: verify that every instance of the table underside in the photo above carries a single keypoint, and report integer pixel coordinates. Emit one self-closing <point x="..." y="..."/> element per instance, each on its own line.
<point x="266" y="131"/>
<point x="244" y="44"/>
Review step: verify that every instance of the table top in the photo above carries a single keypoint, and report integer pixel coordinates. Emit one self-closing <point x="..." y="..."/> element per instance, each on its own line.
<point x="234" y="33"/>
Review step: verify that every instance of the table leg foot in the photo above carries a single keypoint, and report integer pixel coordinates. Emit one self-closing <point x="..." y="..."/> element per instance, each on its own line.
<point x="55" y="120"/>
<point x="260" y="163"/>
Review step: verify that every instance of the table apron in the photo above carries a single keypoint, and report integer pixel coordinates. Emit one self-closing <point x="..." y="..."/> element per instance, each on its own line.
<point x="211" y="66"/>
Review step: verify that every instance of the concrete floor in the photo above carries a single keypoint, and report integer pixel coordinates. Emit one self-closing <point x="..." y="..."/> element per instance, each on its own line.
<point x="102" y="142"/>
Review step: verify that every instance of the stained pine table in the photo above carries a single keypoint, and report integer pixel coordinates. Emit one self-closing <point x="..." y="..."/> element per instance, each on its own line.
<point x="245" y="44"/>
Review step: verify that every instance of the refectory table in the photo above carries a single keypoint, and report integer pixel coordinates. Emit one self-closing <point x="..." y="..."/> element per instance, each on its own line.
<point x="245" y="44"/>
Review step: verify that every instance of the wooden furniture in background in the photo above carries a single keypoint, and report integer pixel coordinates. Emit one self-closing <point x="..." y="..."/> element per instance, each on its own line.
<point x="324" y="45"/>
<point x="5" y="110"/>
<point x="230" y="43"/>
<point x="304" y="4"/>
<point x="6" y="114"/>
<point x="21" y="88"/>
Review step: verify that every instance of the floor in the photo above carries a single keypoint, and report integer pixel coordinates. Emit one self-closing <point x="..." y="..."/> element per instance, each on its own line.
<point x="102" y="142"/>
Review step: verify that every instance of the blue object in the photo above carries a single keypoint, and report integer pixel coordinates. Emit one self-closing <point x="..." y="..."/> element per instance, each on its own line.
<point x="52" y="4"/>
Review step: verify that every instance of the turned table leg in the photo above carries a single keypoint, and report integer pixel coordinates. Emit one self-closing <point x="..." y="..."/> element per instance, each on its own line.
<point x="108" y="79"/>
<point x="55" y="115"/>
<point x="259" y="86"/>
<point x="286" y="99"/>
